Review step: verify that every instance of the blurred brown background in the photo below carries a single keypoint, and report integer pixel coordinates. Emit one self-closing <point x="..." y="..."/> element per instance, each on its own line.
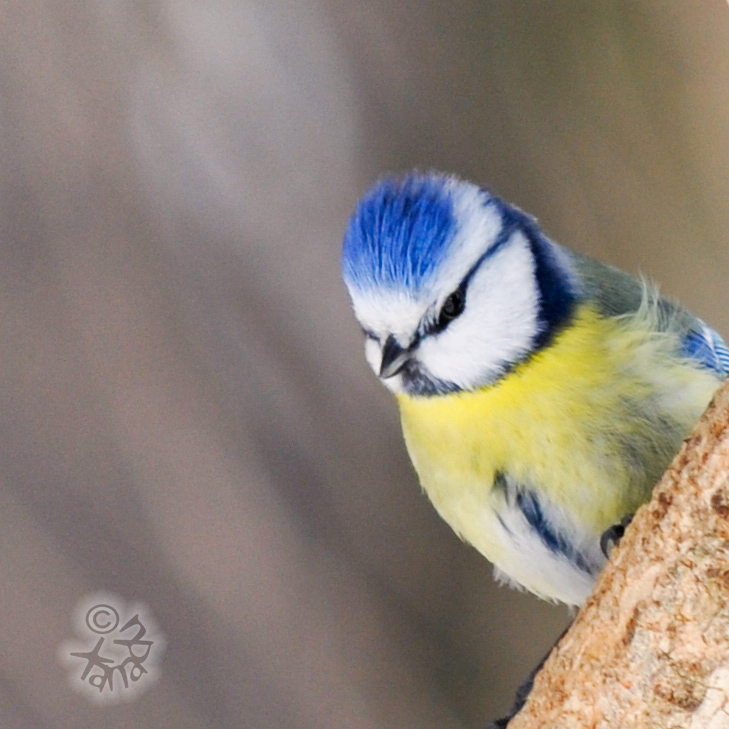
<point x="187" y="417"/>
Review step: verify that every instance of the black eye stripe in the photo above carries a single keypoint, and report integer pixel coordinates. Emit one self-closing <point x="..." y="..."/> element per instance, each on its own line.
<point x="508" y="228"/>
<point x="457" y="299"/>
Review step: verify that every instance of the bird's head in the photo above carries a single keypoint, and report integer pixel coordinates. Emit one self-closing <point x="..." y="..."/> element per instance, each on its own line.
<point x="451" y="286"/>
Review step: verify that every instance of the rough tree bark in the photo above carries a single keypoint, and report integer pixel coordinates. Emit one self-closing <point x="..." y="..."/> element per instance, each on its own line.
<point x="650" y="648"/>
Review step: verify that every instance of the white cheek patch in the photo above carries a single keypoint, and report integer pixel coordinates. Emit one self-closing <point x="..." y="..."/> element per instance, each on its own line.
<point x="498" y="325"/>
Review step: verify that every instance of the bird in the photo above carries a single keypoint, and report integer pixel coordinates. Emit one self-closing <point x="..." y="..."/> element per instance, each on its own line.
<point x="542" y="393"/>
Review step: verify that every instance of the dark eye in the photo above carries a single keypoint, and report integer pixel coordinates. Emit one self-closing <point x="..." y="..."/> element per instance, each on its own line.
<point x="452" y="307"/>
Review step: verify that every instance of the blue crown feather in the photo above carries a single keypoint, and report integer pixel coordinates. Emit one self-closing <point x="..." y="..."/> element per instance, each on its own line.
<point x="399" y="234"/>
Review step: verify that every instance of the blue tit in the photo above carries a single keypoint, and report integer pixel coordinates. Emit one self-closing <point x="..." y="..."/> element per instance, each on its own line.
<point x="542" y="394"/>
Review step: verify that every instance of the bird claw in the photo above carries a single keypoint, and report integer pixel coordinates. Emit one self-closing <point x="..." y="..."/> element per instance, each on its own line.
<point x="613" y="534"/>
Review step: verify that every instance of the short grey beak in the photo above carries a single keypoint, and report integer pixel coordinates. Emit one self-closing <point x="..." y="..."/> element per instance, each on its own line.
<point x="394" y="357"/>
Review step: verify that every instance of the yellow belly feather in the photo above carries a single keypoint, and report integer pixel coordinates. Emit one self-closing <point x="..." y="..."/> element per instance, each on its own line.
<point x="590" y="422"/>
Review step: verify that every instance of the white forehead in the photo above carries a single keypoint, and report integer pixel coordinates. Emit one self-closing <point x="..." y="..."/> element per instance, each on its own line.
<point x="398" y="311"/>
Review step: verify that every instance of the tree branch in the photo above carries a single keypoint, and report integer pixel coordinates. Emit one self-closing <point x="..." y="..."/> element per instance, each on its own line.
<point x="650" y="648"/>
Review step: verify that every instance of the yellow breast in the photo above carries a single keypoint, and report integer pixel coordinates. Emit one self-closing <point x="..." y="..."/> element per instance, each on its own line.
<point x="590" y="422"/>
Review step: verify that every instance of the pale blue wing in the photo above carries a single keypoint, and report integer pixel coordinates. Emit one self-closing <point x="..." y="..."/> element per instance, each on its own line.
<point x="705" y="346"/>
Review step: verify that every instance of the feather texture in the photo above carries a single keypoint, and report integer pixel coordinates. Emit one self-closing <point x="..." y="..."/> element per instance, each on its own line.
<point x="542" y="408"/>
